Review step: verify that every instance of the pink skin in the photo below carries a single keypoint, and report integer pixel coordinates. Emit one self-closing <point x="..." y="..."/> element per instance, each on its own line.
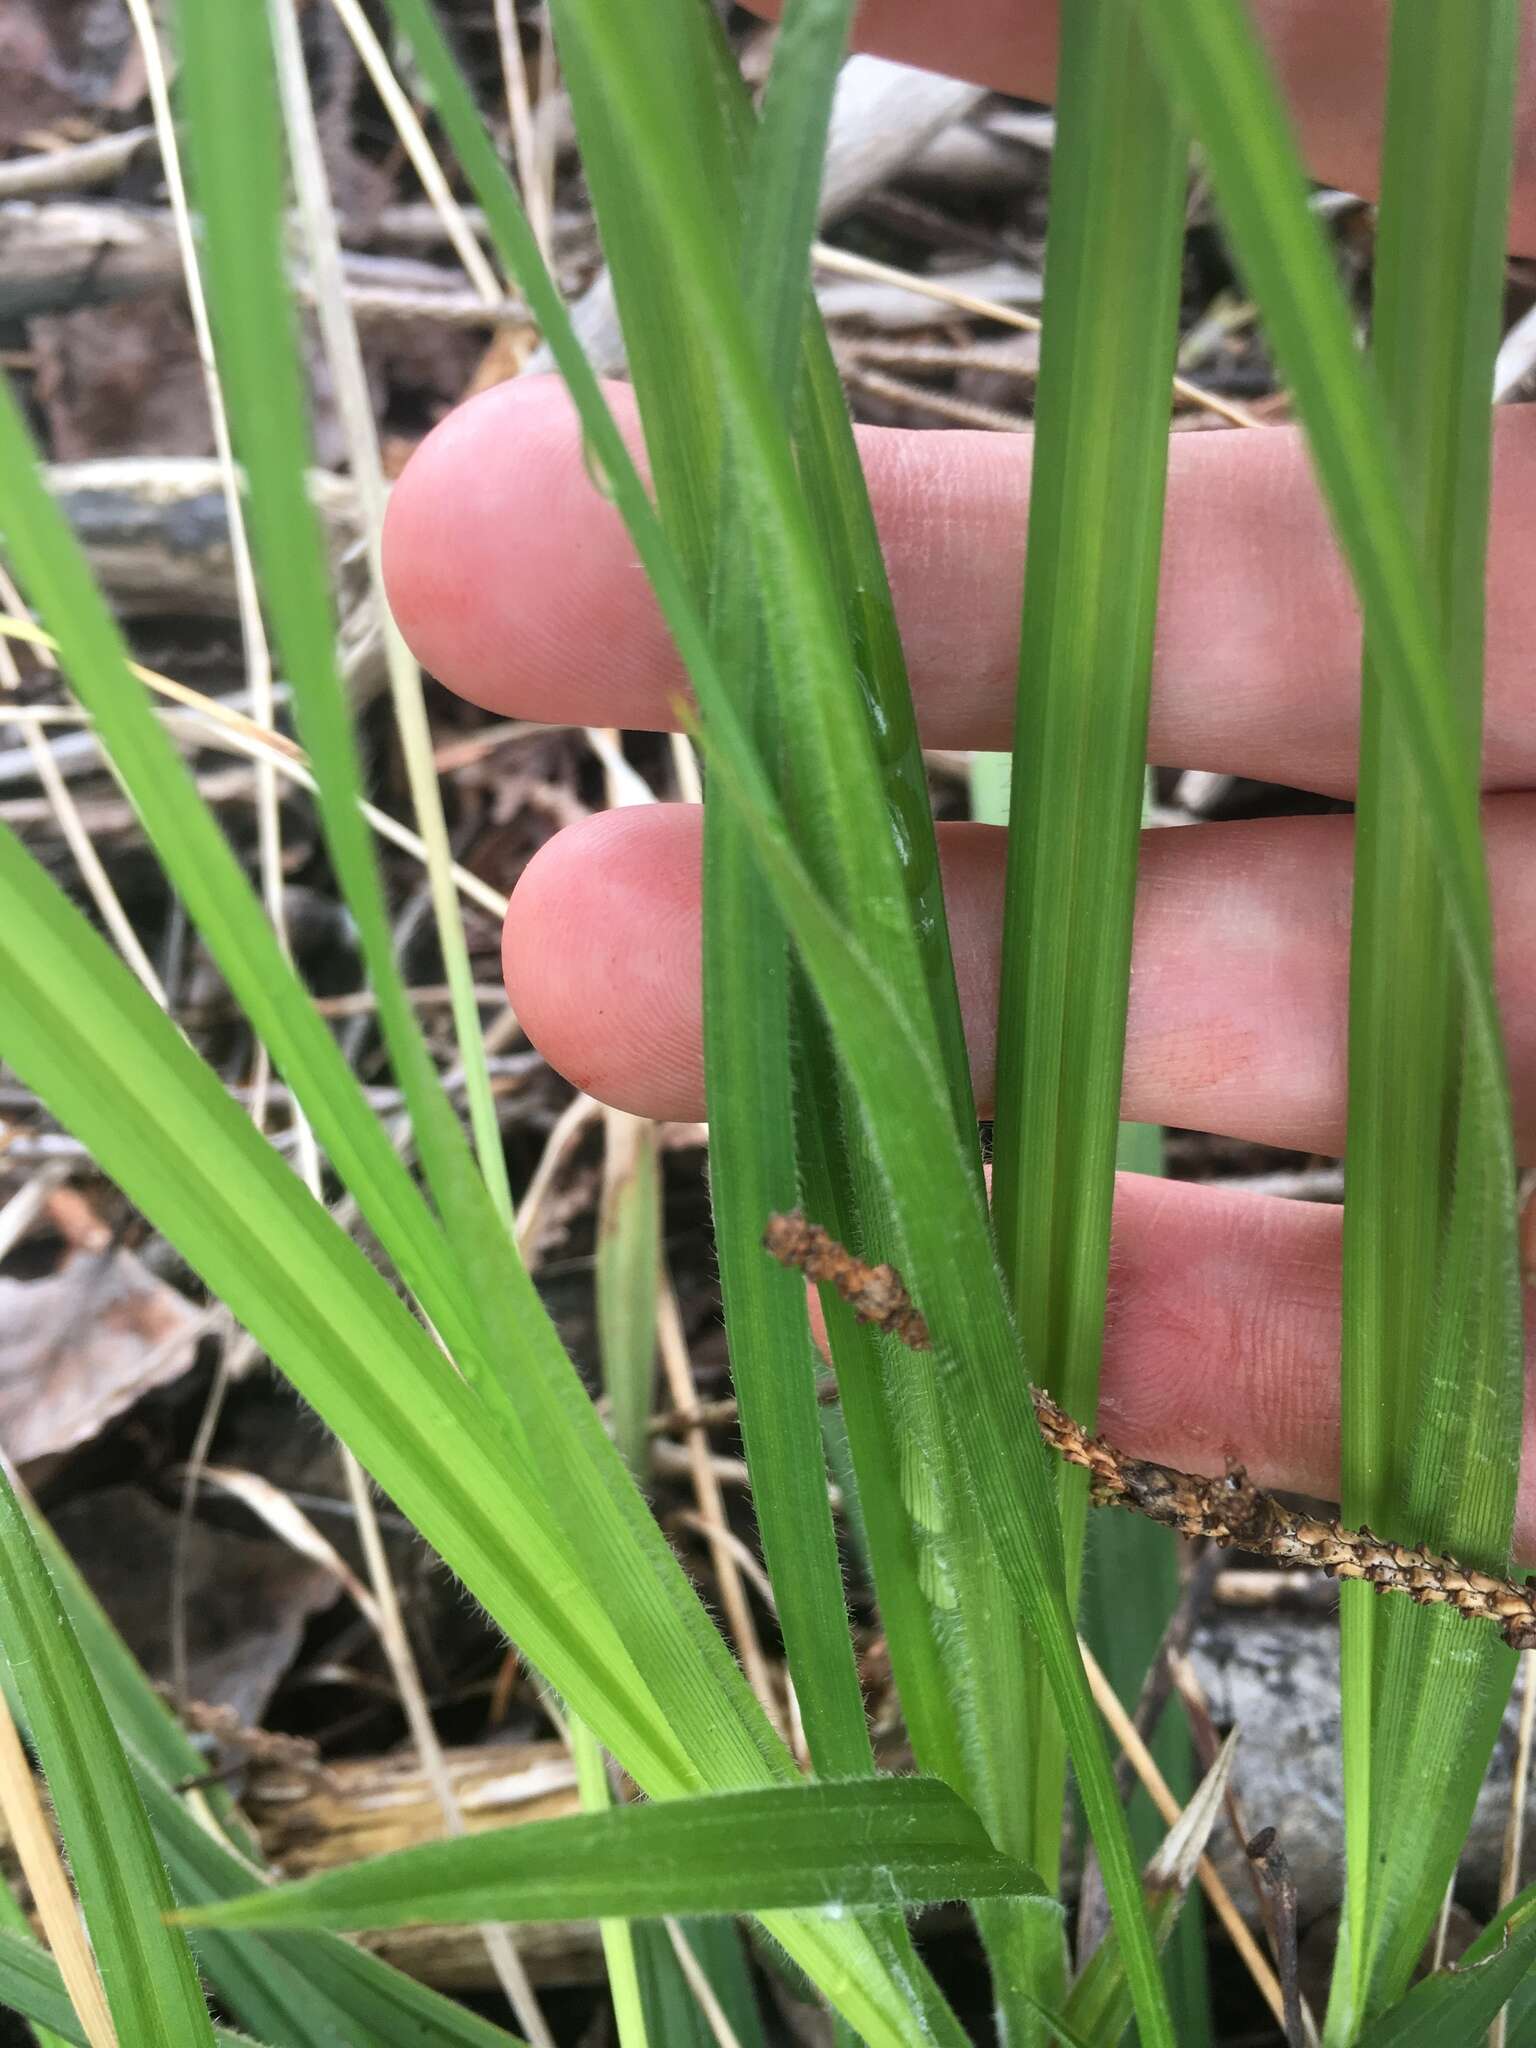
<point x="513" y="581"/>
<point x="1330" y="58"/>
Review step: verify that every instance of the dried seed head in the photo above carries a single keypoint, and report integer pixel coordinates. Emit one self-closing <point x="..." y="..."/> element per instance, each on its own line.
<point x="1228" y="1511"/>
<point x="876" y="1294"/>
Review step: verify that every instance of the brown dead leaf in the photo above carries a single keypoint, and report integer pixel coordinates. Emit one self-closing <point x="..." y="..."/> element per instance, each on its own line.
<point x="80" y="1346"/>
<point x="248" y="1599"/>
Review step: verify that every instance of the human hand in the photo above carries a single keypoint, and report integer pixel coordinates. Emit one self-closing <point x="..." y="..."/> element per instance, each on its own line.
<point x="514" y="582"/>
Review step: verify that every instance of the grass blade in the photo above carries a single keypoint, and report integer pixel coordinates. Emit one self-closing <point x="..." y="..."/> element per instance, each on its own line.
<point x="674" y="2013"/>
<point x="304" y="1991"/>
<point x="746" y="1023"/>
<point x="146" y="1968"/>
<point x="193" y="1163"/>
<point x="1090" y="603"/>
<point x="296" y="1282"/>
<point x="560" y="1448"/>
<point x="35" y="1972"/>
<point x="1210" y="55"/>
<point x="880" y="1842"/>
<point x="1456" y="2005"/>
<point x="1411" y="1687"/>
<point x="617" y="1935"/>
<point x="941" y="1593"/>
<point x="628" y="1266"/>
<point x="956" y="1285"/>
<point x="229" y="96"/>
<point x="31" y="1985"/>
<point x="902" y="1064"/>
<point x="51" y="568"/>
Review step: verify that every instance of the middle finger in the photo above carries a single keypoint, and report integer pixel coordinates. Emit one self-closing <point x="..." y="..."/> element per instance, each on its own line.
<point x="1239" y="977"/>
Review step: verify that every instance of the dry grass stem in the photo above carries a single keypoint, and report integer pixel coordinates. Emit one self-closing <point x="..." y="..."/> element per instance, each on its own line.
<point x="1222" y="1902"/>
<point x="846" y="264"/>
<point x="678" y="1368"/>
<point x="43" y="1868"/>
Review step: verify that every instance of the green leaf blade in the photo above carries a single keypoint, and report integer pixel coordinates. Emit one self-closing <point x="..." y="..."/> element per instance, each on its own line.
<point x="877" y="1842"/>
<point x="1113" y="266"/>
<point x="147" y="1972"/>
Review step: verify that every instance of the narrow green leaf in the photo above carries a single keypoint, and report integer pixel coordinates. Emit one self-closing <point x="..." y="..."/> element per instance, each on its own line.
<point x="304" y="1990"/>
<point x="229" y="95"/>
<point x="626" y="1271"/>
<point x="31" y="1985"/>
<point x="51" y="568"/>
<point x="1212" y="58"/>
<point x="512" y="1353"/>
<point x="617" y="1935"/>
<point x="1456" y="2005"/>
<point x="196" y="1167"/>
<point x="747" y="1034"/>
<point x="1113" y="258"/>
<point x="1028" y="1540"/>
<point x="1209" y="52"/>
<point x="975" y="1345"/>
<point x="960" y="1672"/>
<point x="146" y="1968"/>
<point x="13" y="1921"/>
<point x="192" y="1161"/>
<point x="1427" y="1385"/>
<point x="673" y="2014"/>
<point x="875" y="1842"/>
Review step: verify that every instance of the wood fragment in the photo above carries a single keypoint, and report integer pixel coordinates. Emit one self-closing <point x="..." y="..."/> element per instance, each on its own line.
<point x="1229" y="1511"/>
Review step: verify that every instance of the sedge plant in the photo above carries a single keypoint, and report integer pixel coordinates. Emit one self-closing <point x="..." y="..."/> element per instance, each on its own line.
<point x="837" y="1081"/>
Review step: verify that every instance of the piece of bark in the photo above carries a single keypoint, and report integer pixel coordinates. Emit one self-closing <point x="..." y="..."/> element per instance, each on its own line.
<point x="157" y="536"/>
<point x="59" y="254"/>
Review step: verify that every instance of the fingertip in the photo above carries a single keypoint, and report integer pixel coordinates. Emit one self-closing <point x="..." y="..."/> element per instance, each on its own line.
<point x="507" y="571"/>
<point x="601" y="958"/>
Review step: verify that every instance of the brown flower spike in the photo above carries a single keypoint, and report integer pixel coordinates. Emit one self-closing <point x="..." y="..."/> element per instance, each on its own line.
<point x="1228" y="1511"/>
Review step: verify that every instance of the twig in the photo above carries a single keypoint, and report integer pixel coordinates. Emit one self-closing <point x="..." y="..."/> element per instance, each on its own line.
<point x="1228" y="1511"/>
<point x="677" y="1365"/>
<point x="241" y="735"/>
<point x="67" y="812"/>
<point x="1207" y="1740"/>
<point x="1092" y="1900"/>
<point x="964" y="412"/>
<point x="1266" y="1857"/>
<point x="71" y="170"/>
<point x="846" y="264"/>
<point x="713" y="2011"/>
